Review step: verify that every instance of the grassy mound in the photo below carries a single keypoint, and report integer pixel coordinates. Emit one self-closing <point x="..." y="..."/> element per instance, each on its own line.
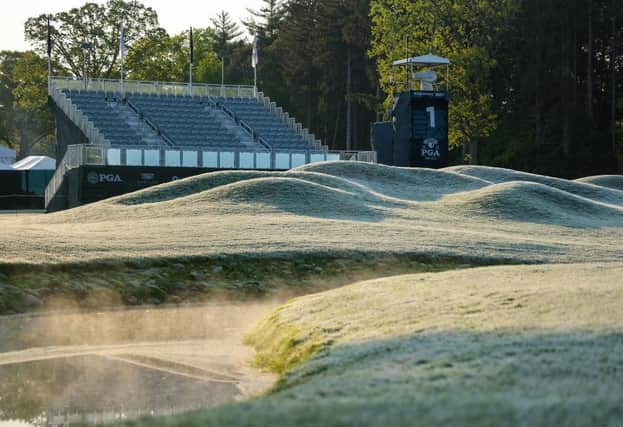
<point x="534" y="202"/>
<point x="298" y="196"/>
<point x="186" y="187"/>
<point x="492" y="346"/>
<point x="208" y="181"/>
<point x="579" y="188"/>
<point x="337" y="208"/>
<point x="404" y="183"/>
<point x="611" y="181"/>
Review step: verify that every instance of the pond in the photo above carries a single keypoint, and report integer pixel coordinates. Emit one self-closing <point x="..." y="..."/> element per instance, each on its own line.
<point x="97" y="368"/>
<point x="95" y="389"/>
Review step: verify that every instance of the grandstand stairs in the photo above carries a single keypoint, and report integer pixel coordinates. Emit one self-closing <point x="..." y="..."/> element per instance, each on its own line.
<point x="236" y="129"/>
<point x="146" y="134"/>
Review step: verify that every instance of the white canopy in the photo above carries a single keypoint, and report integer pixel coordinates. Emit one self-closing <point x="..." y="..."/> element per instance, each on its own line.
<point x="35" y="163"/>
<point x="429" y="59"/>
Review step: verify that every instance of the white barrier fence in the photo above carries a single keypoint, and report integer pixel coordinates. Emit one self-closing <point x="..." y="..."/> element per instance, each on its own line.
<point x="113" y="87"/>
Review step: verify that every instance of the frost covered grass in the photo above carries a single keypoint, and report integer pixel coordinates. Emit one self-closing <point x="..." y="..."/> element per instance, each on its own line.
<point x="535" y="344"/>
<point x="611" y="181"/>
<point x="172" y="281"/>
<point x="334" y="208"/>
<point x="518" y="345"/>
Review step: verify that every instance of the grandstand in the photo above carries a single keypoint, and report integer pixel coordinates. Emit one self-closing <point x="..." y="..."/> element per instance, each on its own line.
<point x="117" y="136"/>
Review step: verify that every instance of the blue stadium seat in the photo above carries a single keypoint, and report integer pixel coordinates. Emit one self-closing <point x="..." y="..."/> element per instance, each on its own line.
<point x="110" y="123"/>
<point x="185" y="120"/>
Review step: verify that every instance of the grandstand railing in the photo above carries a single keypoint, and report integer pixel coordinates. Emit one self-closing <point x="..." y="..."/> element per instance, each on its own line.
<point x="246" y="128"/>
<point x="75" y="115"/>
<point x="196" y="157"/>
<point x="75" y="156"/>
<point x="138" y="87"/>
<point x="291" y="122"/>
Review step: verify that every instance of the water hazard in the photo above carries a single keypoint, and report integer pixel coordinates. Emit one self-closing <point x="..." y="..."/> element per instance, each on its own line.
<point x="95" y="389"/>
<point x="190" y="361"/>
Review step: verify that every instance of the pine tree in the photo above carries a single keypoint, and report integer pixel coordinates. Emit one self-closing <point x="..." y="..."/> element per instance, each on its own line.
<point x="225" y="32"/>
<point x="265" y="22"/>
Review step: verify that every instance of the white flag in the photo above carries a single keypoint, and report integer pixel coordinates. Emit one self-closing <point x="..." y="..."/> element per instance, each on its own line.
<point x="122" y="49"/>
<point x="254" y="54"/>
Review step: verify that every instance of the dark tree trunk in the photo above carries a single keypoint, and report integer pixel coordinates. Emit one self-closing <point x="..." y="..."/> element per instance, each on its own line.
<point x="309" y="111"/>
<point x="355" y="130"/>
<point x="574" y="58"/>
<point x="349" y="107"/>
<point x="613" y="81"/>
<point x="473" y="152"/>
<point x="25" y="143"/>
<point x="379" y="114"/>
<point x="589" y="64"/>
<point x="337" y="124"/>
<point x="564" y="86"/>
<point x="538" y="105"/>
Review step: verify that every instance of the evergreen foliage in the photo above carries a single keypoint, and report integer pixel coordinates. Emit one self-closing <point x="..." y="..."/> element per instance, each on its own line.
<point x="225" y="31"/>
<point x="535" y="85"/>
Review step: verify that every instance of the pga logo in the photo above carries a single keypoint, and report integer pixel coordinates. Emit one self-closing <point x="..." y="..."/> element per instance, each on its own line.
<point x="430" y="149"/>
<point x="96" y="178"/>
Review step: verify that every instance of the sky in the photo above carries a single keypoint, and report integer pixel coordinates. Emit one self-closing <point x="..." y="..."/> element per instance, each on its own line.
<point x="174" y="15"/>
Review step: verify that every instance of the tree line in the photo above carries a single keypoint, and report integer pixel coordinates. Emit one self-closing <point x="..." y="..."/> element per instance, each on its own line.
<point x="534" y="84"/>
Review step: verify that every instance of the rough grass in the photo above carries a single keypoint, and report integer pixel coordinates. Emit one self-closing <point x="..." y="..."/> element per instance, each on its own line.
<point x="524" y="345"/>
<point x="172" y="281"/>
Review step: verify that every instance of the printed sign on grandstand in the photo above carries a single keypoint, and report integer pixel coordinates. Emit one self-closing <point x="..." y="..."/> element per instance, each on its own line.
<point x="96" y="178"/>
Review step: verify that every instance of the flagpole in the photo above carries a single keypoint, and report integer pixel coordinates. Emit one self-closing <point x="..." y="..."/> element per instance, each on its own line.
<point x="192" y="55"/>
<point x="254" y="60"/>
<point x="122" y="49"/>
<point x="223" y="76"/>
<point x="49" y="54"/>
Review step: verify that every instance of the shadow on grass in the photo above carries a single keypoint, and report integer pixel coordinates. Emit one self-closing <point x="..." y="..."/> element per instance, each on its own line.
<point x="450" y="378"/>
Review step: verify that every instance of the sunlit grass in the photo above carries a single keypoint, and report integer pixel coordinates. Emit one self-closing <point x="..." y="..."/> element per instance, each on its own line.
<point x="489" y="346"/>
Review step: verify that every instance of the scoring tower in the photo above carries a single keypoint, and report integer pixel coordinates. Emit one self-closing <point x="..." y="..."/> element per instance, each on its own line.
<point x="417" y="134"/>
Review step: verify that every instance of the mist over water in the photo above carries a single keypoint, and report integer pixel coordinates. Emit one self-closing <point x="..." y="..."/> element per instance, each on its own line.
<point x="92" y="368"/>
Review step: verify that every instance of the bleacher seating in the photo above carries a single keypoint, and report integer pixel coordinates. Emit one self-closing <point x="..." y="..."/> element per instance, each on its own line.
<point x="187" y="121"/>
<point x="266" y="124"/>
<point x="108" y="120"/>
